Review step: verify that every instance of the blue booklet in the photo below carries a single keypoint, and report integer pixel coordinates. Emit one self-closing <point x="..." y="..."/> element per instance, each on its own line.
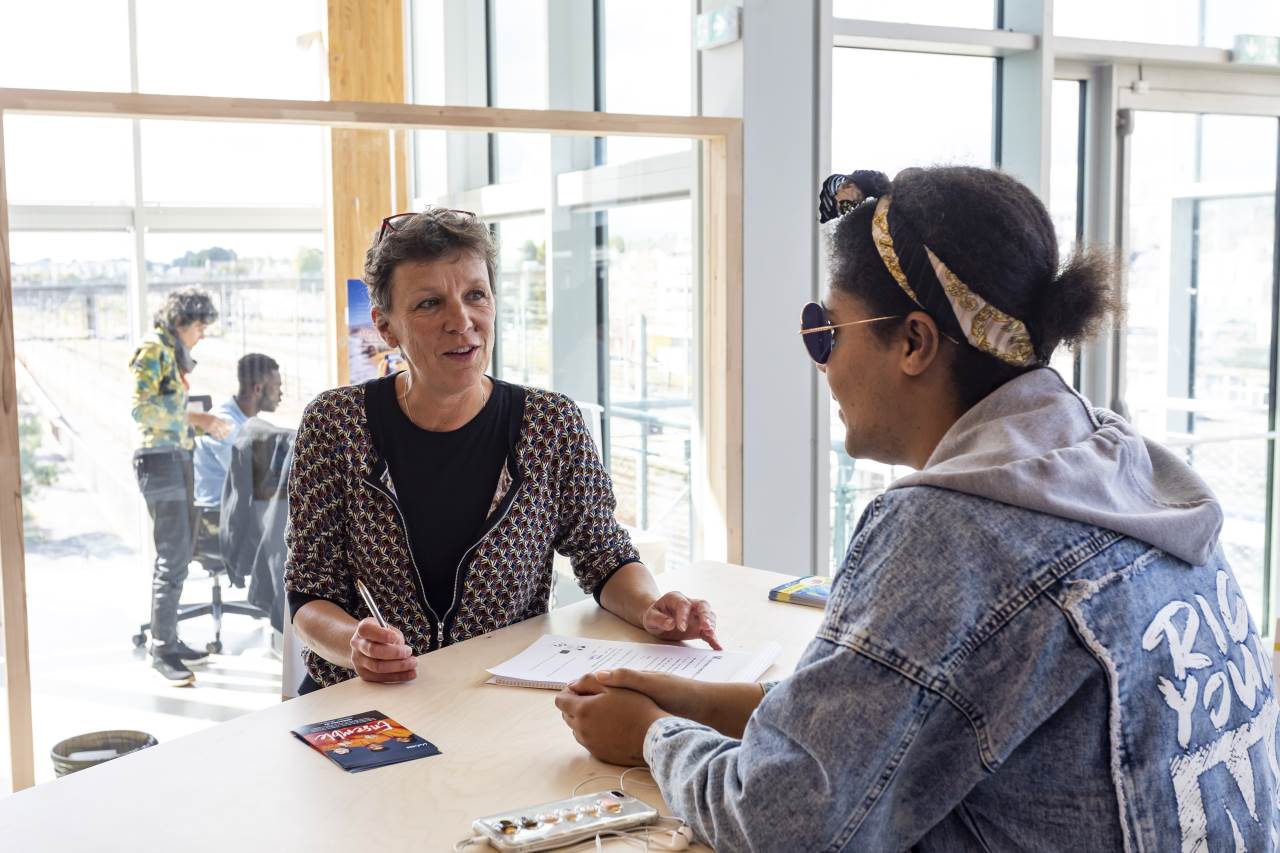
<point x="812" y="591"/>
<point x="361" y="741"/>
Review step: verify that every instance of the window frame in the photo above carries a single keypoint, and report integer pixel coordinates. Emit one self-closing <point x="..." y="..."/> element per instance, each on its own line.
<point x="1117" y="76"/>
<point x="717" y="478"/>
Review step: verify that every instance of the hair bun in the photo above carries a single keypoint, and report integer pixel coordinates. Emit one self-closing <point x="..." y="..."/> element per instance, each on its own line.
<point x="842" y="193"/>
<point x="873" y="184"/>
<point x="1078" y="301"/>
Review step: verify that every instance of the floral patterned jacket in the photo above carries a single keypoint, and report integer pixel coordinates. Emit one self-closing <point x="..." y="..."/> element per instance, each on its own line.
<point x="159" y="393"/>
<point x="344" y="523"/>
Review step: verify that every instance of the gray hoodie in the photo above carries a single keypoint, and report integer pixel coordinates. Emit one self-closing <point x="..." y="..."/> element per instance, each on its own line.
<point x="1035" y="443"/>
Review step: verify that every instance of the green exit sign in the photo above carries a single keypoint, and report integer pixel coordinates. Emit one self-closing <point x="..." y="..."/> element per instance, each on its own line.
<point x="1257" y="50"/>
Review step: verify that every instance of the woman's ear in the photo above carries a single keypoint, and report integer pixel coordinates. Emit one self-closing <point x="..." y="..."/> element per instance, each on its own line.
<point x="383" y="325"/>
<point x="922" y="343"/>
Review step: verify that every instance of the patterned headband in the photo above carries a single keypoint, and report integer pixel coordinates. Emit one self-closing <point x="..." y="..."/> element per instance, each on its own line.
<point x="937" y="290"/>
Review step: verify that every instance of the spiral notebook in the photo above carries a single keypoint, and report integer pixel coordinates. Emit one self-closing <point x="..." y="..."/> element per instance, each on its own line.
<point x="553" y="661"/>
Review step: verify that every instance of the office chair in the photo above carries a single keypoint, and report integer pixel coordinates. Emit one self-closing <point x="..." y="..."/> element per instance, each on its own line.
<point x="208" y="554"/>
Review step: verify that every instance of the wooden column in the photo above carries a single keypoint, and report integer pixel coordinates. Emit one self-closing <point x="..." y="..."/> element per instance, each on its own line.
<point x="369" y="175"/>
<point x="722" y="348"/>
<point x="13" y="588"/>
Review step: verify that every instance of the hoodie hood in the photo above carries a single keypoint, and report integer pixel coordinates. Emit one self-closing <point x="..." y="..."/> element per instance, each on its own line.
<point x="1035" y="443"/>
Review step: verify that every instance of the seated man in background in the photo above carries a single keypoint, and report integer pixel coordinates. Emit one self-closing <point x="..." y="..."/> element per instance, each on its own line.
<point x="260" y="390"/>
<point x="254" y="508"/>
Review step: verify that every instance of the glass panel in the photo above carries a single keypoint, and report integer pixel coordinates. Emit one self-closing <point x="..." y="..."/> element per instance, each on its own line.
<point x="1198" y="319"/>
<point x="519" y="68"/>
<point x="430" y="147"/>
<point x="269" y="292"/>
<point x="89" y="535"/>
<point x="945" y="91"/>
<point x="977" y="14"/>
<point x="61" y="160"/>
<point x="652" y="293"/>
<point x="238" y="164"/>
<point x="81" y="511"/>
<point x="1064" y="165"/>
<point x="69" y="309"/>
<point x="1064" y="187"/>
<point x="648" y="68"/>
<point x="597" y="299"/>
<point x="1185" y="22"/>
<point x="233" y="47"/>
<point x="73" y="44"/>
<point x="428" y="51"/>
<point x="524" y="335"/>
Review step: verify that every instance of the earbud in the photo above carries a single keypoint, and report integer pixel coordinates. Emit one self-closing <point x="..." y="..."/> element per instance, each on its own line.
<point x="677" y="839"/>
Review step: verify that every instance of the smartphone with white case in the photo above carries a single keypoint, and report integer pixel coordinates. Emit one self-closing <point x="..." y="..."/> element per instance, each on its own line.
<point x="549" y="826"/>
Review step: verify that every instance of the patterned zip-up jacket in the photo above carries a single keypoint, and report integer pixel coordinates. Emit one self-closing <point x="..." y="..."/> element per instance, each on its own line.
<point x="345" y="523"/>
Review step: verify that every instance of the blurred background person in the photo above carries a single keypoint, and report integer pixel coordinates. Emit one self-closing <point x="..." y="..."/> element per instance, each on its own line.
<point x="260" y="390"/>
<point x="163" y="462"/>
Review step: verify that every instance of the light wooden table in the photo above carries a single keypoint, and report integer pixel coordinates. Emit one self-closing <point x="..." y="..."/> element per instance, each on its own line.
<point x="249" y="785"/>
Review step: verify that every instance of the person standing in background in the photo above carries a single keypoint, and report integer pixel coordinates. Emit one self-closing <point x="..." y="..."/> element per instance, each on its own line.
<point x="163" y="463"/>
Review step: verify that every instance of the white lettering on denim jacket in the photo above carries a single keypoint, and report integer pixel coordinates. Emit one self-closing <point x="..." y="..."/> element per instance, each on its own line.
<point x="1177" y="626"/>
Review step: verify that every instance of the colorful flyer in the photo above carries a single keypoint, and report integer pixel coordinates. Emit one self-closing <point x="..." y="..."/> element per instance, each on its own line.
<point x="362" y="741"/>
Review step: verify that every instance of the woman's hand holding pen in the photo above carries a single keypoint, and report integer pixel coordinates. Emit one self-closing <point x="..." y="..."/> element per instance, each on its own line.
<point x="381" y="654"/>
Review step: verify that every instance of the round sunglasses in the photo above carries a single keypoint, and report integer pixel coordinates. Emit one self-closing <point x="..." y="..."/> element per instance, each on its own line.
<point x="818" y="332"/>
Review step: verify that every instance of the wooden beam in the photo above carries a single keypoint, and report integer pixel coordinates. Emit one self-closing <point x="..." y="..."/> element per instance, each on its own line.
<point x="13" y="589"/>
<point x="366" y="63"/>
<point x="347" y="113"/>
<point x="722" y="348"/>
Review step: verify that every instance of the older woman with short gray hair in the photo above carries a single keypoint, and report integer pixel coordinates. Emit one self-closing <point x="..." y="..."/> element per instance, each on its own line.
<point x="445" y="491"/>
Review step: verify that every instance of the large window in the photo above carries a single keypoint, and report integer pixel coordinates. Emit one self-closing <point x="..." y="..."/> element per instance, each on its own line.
<point x="652" y="419"/>
<point x="524" y="336"/>
<point x="94" y="156"/>
<point x="954" y="92"/>
<point x="648" y="68"/>
<point x="234" y="210"/>
<point x="1198" y="334"/>
<point x="518" y="41"/>
<point x="225" y="165"/>
<point x="73" y="44"/>
<point x="1066" y="187"/>
<point x="597" y="286"/>
<point x="232" y="47"/>
<point x="1211" y="23"/>
<point x="269" y="290"/>
<point x="427" y="86"/>
<point x="974" y="14"/>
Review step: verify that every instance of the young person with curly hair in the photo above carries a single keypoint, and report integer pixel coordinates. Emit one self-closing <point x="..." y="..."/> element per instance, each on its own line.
<point x="1035" y="641"/>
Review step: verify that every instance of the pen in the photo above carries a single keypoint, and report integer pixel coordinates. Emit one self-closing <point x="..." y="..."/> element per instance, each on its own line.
<point x="368" y="602"/>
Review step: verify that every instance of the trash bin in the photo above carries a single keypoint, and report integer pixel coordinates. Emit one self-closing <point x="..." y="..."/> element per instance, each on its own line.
<point x="81" y="751"/>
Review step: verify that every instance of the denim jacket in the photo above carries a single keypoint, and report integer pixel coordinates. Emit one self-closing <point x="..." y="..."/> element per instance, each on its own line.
<point x="997" y="669"/>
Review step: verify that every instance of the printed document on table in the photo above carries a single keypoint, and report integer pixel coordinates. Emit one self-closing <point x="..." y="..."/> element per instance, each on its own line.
<point x="553" y="661"/>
